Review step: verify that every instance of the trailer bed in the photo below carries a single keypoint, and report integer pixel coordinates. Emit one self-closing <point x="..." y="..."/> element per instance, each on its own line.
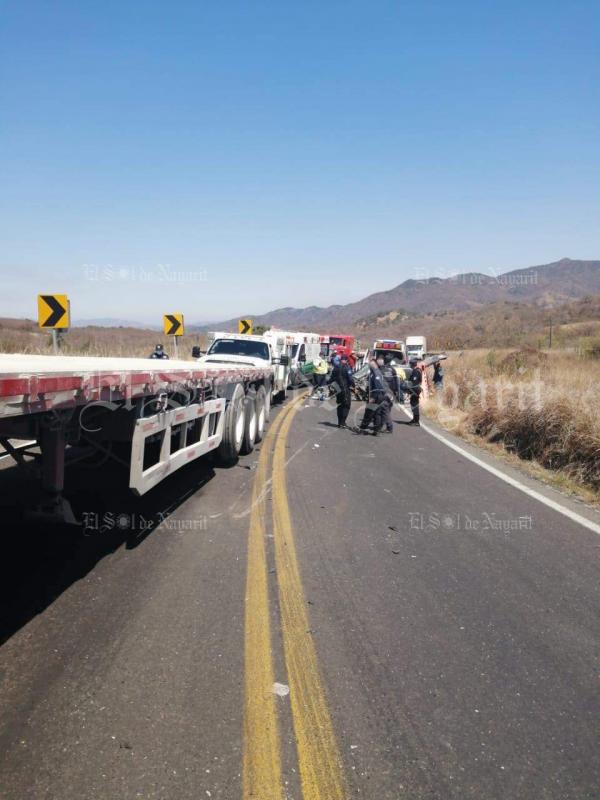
<point x="36" y="383"/>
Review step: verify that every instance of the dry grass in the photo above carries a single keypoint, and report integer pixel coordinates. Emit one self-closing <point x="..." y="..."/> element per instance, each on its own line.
<point x="24" y="336"/>
<point x="575" y="325"/>
<point x="541" y="407"/>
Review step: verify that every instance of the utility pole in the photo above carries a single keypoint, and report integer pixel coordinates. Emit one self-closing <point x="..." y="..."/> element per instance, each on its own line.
<point x="550" y="336"/>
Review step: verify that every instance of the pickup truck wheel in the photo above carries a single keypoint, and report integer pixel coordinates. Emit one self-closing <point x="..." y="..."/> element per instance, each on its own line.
<point x="234" y="426"/>
<point x="250" y="423"/>
<point x="268" y="403"/>
<point x="261" y="418"/>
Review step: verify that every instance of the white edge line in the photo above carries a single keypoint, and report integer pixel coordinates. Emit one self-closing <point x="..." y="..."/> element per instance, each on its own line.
<point x="573" y="515"/>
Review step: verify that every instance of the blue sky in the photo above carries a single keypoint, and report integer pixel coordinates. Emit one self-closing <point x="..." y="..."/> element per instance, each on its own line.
<point x="229" y="158"/>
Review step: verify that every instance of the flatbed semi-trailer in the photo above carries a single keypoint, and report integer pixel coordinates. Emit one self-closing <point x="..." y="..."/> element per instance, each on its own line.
<point x="160" y="414"/>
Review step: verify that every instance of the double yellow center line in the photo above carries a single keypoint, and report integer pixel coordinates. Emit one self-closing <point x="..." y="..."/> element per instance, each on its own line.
<point x="319" y="759"/>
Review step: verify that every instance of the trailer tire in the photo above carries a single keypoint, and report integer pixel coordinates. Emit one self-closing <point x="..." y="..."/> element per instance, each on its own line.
<point x="261" y="412"/>
<point x="234" y="427"/>
<point x="250" y="423"/>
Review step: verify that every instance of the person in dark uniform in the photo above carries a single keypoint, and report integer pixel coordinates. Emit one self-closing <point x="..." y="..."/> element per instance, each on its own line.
<point x="341" y="380"/>
<point x="377" y="392"/>
<point x="393" y="384"/>
<point x="415" y="379"/>
<point x="158" y="352"/>
<point x="438" y="376"/>
<point x="400" y="373"/>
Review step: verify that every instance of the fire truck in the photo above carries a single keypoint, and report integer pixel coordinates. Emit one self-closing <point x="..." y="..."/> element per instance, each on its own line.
<point x="339" y="344"/>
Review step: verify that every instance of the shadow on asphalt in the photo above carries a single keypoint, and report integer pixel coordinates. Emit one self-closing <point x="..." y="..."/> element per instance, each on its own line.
<point x="42" y="559"/>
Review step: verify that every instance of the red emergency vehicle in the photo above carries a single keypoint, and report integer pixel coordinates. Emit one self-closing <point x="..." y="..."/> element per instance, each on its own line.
<point x="339" y="344"/>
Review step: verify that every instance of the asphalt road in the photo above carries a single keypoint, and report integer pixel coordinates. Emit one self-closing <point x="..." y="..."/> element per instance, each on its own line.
<point x="337" y="616"/>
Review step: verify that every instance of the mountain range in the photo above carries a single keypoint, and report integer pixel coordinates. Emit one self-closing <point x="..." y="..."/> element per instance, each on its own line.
<point x="545" y="286"/>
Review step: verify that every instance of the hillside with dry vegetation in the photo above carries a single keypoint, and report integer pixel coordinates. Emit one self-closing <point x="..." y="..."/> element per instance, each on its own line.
<point x="506" y="324"/>
<point x="541" y="407"/>
<point x="24" y="336"/>
<point x="546" y="286"/>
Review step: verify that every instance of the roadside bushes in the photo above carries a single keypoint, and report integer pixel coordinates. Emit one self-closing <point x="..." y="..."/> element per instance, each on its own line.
<point x="519" y="362"/>
<point x="557" y="434"/>
<point x="590" y="347"/>
<point x="462" y="390"/>
<point x="544" y="407"/>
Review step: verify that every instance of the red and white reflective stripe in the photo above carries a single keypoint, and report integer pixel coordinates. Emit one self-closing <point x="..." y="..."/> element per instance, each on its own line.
<point x="14" y="387"/>
<point x="25" y="394"/>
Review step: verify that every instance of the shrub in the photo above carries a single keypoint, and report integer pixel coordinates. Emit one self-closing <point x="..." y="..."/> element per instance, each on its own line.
<point x="540" y="406"/>
<point x="521" y="361"/>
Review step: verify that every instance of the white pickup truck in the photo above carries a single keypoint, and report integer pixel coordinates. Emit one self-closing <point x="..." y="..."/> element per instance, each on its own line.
<point x="264" y="352"/>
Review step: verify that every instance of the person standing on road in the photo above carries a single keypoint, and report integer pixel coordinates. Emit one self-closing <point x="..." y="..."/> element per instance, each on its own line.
<point x="393" y="384"/>
<point x="438" y="376"/>
<point x="320" y="370"/>
<point x="400" y="374"/>
<point x="349" y="371"/>
<point x="377" y="392"/>
<point x="341" y="380"/>
<point x="415" y="379"/>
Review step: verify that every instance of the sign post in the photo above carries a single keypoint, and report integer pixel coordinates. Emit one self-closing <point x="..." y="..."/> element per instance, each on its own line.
<point x="173" y="326"/>
<point x="245" y="326"/>
<point x="54" y="313"/>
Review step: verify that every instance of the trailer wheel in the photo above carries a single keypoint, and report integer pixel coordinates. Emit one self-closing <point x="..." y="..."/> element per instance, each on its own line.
<point x="250" y="423"/>
<point x="234" y="426"/>
<point x="261" y="416"/>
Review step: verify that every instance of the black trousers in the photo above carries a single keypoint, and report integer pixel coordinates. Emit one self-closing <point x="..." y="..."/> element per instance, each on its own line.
<point x="414" y="406"/>
<point x="343" y="409"/>
<point x="387" y="406"/>
<point x="374" y="411"/>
